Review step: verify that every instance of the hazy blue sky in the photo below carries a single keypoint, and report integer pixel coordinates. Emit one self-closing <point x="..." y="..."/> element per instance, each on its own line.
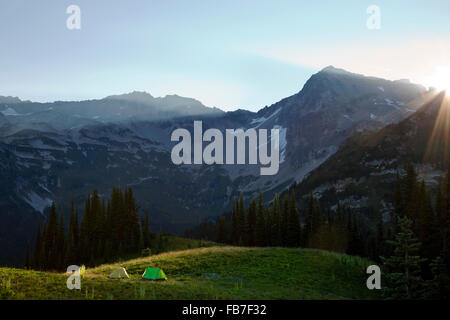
<point x="226" y="53"/>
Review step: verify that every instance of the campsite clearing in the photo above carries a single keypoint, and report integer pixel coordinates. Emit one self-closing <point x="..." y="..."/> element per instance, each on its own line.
<point x="210" y="273"/>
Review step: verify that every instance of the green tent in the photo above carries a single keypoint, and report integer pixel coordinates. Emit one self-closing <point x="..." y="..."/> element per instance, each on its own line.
<point x="154" y="274"/>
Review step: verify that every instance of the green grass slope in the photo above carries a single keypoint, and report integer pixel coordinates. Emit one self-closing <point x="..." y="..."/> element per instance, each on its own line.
<point x="208" y="273"/>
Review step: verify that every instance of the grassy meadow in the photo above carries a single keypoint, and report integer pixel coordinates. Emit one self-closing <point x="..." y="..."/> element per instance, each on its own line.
<point x="208" y="272"/>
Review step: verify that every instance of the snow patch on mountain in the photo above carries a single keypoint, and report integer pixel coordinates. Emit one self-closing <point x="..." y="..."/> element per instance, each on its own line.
<point x="37" y="202"/>
<point x="25" y="155"/>
<point x="395" y="104"/>
<point x="10" y="112"/>
<point x="283" y="142"/>
<point x="261" y="120"/>
<point x="39" y="144"/>
<point x="347" y="117"/>
<point x="44" y="187"/>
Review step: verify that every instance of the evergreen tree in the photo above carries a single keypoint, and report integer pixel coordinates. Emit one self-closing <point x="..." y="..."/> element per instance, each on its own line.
<point x="276" y="222"/>
<point x="43" y="261"/>
<point x="106" y="231"/>
<point x="285" y="220"/>
<point x="269" y="226"/>
<point x="445" y="220"/>
<point x="403" y="268"/>
<point x="329" y="219"/>
<point x="69" y="241"/>
<point x="60" y="244"/>
<point x="260" y="223"/>
<point x="132" y="221"/>
<point x="355" y="243"/>
<point x="51" y="233"/>
<point x="76" y="237"/>
<point x="340" y="214"/>
<point x="429" y="235"/>
<point x="380" y="235"/>
<point x="141" y="239"/>
<point x="221" y="235"/>
<point x="317" y="216"/>
<point x="438" y="212"/>
<point x="146" y="231"/>
<point x="95" y="227"/>
<point x="242" y="225"/>
<point x="307" y="231"/>
<point x="312" y="220"/>
<point x="85" y="232"/>
<point x="160" y="242"/>
<point x="27" y="263"/>
<point x="37" y="249"/>
<point x="410" y="182"/>
<point x="251" y="224"/>
<point x="399" y="203"/>
<point x="293" y="227"/>
<point x="439" y="286"/>
<point x="235" y="223"/>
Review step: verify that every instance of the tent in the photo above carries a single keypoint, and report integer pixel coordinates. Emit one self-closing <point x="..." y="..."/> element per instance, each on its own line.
<point x="154" y="274"/>
<point x="119" y="273"/>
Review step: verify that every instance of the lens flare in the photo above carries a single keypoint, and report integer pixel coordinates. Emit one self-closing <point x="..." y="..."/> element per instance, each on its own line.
<point x="440" y="79"/>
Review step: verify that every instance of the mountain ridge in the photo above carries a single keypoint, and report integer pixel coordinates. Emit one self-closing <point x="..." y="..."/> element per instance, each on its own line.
<point x="65" y="156"/>
<point x="363" y="171"/>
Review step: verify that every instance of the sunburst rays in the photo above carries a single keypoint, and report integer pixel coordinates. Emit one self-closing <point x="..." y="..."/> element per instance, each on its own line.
<point x="439" y="141"/>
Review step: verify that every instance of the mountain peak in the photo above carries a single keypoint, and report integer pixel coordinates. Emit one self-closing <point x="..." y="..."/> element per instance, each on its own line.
<point x="10" y="99"/>
<point x="135" y="96"/>
<point x="332" y="69"/>
<point x="337" y="71"/>
<point x="329" y="68"/>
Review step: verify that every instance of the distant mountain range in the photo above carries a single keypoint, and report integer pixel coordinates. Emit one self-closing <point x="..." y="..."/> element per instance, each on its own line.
<point x="61" y="115"/>
<point x="56" y="151"/>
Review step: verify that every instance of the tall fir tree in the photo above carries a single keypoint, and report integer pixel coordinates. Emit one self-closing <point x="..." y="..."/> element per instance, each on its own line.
<point x="146" y="230"/>
<point x="38" y="248"/>
<point x="235" y="223"/>
<point x="445" y="220"/>
<point x="380" y="236"/>
<point x="402" y="272"/>
<point x="294" y="234"/>
<point x="60" y="244"/>
<point x="251" y="224"/>
<point x="27" y="263"/>
<point x="310" y="221"/>
<point x="276" y="222"/>
<point x="51" y="232"/>
<point x="242" y="225"/>
<point x="260" y="223"/>
<point x="285" y="220"/>
<point x="221" y="232"/>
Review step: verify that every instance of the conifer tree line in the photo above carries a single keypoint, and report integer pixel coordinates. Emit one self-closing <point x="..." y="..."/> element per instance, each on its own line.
<point x="416" y="245"/>
<point x="106" y="231"/>
<point x="280" y="225"/>
<point x="413" y="246"/>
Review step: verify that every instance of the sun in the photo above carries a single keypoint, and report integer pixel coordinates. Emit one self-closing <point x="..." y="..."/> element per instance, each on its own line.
<point x="440" y="79"/>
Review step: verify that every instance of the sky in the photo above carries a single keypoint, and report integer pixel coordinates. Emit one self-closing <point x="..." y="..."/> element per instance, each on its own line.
<point x="228" y="54"/>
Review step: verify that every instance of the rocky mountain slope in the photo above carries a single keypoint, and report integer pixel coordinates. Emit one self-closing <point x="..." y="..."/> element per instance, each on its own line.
<point x="56" y="151"/>
<point x="362" y="173"/>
